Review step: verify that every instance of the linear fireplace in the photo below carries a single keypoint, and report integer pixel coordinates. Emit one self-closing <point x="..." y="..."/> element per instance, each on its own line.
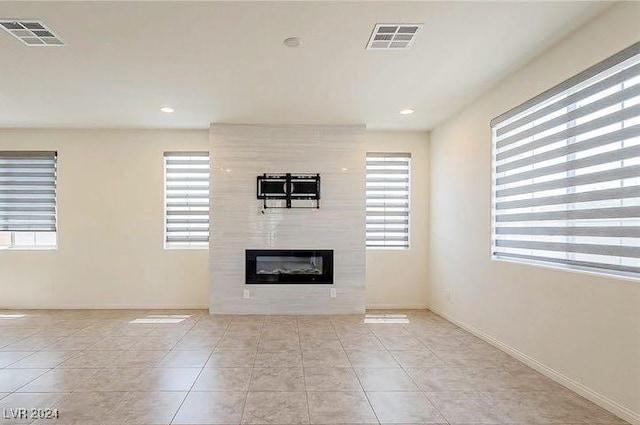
<point x="288" y="266"/>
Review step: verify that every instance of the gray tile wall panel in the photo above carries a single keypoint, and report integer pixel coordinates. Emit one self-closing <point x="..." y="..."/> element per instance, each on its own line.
<point x="238" y="224"/>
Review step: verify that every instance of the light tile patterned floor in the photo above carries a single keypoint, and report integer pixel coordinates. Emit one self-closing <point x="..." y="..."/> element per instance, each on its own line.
<point x="186" y="367"/>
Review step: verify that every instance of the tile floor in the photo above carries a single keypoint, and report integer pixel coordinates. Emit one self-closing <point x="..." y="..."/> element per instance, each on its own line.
<point x="186" y="367"/>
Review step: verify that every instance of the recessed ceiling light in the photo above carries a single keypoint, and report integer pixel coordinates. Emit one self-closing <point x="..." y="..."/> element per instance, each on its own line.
<point x="292" y="42"/>
<point x="167" y="110"/>
<point x="407" y="111"/>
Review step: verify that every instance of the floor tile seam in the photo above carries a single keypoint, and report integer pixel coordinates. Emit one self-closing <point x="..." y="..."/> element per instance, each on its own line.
<point x="31" y="353"/>
<point x="304" y="375"/>
<point x="30" y="381"/>
<point x="188" y="392"/>
<point x="199" y="373"/>
<point x="412" y="380"/>
<point x="358" y="378"/>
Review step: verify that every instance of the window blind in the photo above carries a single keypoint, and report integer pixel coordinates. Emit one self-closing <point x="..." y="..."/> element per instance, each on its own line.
<point x="566" y="181"/>
<point x="187" y="198"/>
<point x="388" y="178"/>
<point x="28" y="191"/>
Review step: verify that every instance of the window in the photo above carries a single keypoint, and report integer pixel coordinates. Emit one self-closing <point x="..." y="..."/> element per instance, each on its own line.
<point x="186" y="199"/>
<point x="27" y="200"/>
<point x="566" y="177"/>
<point x="388" y="176"/>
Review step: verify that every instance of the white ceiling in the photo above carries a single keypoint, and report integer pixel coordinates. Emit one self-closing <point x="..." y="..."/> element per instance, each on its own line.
<point x="225" y="62"/>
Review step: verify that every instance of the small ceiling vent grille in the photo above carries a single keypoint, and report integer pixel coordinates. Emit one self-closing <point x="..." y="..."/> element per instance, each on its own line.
<point x="392" y="36"/>
<point x="31" y="33"/>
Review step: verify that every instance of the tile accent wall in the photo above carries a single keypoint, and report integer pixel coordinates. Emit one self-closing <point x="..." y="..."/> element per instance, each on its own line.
<point x="239" y="153"/>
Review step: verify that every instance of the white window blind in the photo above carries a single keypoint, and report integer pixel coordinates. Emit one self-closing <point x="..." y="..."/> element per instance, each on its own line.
<point x="388" y="178"/>
<point x="27" y="191"/>
<point x="186" y="199"/>
<point x="566" y="185"/>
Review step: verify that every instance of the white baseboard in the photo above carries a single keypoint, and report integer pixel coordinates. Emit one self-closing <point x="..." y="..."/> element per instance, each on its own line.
<point x="375" y="306"/>
<point x="104" y="307"/>
<point x="597" y="398"/>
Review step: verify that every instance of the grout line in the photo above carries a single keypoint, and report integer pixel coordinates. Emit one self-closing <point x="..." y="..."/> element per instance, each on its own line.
<point x="257" y="347"/>
<point x="354" y="372"/>
<point x="201" y="369"/>
<point x="304" y="372"/>
<point x="415" y="383"/>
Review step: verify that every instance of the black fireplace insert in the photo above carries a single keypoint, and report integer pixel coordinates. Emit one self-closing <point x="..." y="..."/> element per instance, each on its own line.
<point x="289" y="266"/>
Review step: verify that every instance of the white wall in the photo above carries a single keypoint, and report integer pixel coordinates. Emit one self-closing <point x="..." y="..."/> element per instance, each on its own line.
<point x="110" y="241"/>
<point x="398" y="278"/>
<point x="110" y="219"/>
<point x="585" y="327"/>
<point x="246" y="151"/>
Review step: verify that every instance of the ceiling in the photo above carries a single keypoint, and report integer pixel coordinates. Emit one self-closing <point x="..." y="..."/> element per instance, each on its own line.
<point x="225" y="62"/>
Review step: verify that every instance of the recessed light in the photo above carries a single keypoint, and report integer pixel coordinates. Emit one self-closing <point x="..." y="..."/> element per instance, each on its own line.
<point x="406" y="111"/>
<point x="292" y="42"/>
<point x="167" y="110"/>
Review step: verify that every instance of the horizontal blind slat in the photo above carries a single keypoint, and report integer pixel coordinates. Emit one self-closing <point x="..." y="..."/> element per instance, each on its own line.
<point x="601" y="176"/>
<point x="189" y="220"/>
<point x="390" y="173"/>
<point x="178" y="154"/>
<point x="171" y="162"/>
<point x="584" y="264"/>
<point x="27" y="200"/>
<point x="26" y="217"/>
<point x="610" y="250"/>
<point x="400" y="220"/>
<point x="387" y="239"/>
<point x="184" y="180"/>
<point x="589" y="161"/>
<point x="13" y="155"/>
<point x="374" y="163"/>
<point x="390" y="196"/>
<point x="585" y="214"/>
<point x="389" y="179"/>
<point x="595" y="195"/>
<point x="28" y="208"/>
<point x="393" y="155"/>
<point x="595" y="231"/>
<point x="186" y="239"/>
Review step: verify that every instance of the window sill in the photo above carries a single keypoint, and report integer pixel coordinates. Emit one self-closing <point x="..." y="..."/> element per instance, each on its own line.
<point x="572" y="269"/>
<point x="185" y="248"/>
<point x="388" y="248"/>
<point x="29" y="248"/>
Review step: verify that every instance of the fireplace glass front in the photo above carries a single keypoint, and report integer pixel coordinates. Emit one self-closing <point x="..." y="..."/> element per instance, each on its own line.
<point x="289" y="266"/>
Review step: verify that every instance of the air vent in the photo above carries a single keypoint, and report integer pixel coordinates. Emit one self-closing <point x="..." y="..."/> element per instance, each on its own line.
<point x="31" y="33"/>
<point x="392" y="36"/>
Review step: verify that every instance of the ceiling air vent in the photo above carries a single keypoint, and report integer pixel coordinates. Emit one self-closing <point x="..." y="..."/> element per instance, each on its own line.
<point x="392" y="36"/>
<point x="30" y="32"/>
